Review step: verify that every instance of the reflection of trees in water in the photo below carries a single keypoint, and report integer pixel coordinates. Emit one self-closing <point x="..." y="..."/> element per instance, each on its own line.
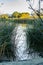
<point x="20" y="42"/>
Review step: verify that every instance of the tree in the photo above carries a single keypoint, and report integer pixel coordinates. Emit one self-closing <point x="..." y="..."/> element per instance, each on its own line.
<point x="37" y="12"/>
<point x="25" y="15"/>
<point x="4" y="16"/>
<point x="16" y="15"/>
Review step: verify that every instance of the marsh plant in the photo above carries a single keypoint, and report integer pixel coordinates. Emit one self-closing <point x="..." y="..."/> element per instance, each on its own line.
<point x="6" y="47"/>
<point x="35" y="36"/>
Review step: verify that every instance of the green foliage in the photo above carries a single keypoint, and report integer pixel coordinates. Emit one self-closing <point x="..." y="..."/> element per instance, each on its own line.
<point x="35" y="37"/>
<point x="36" y="40"/>
<point x="16" y="15"/>
<point x="6" y="47"/>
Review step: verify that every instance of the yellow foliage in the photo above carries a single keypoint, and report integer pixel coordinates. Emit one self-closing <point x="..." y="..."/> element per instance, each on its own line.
<point x="41" y="16"/>
<point x="23" y="25"/>
<point x="4" y="16"/>
<point x="35" y="16"/>
<point x="25" y="15"/>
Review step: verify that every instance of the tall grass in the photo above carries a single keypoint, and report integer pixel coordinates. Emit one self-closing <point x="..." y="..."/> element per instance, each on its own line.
<point x="35" y="38"/>
<point x="6" y="47"/>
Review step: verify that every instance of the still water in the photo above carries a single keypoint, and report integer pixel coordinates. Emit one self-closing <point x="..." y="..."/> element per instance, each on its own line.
<point x="20" y="41"/>
<point x="18" y="38"/>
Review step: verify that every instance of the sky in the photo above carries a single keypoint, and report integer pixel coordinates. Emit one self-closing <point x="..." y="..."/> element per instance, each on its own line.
<point x="9" y="6"/>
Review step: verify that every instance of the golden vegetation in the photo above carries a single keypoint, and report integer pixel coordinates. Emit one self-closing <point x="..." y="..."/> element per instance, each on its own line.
<point x="25" y="15"/>
<point x="4" y="16"/>
<point x="17" y="15"/>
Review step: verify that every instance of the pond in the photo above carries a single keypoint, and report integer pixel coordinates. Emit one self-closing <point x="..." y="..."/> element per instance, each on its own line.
<point x="13" y="42"/>
<point x="37" y="61"/>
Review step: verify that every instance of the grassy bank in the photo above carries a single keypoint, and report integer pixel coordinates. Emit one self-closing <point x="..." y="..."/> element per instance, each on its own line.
<point x="34" y="35"/>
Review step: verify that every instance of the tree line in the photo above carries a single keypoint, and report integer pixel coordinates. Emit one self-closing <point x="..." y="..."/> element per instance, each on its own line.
<point x="16" y="15"/>
<point x="19" y="15"/>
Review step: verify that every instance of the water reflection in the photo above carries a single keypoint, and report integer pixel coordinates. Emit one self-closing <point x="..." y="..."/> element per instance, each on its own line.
<point x="20" y="41"/>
